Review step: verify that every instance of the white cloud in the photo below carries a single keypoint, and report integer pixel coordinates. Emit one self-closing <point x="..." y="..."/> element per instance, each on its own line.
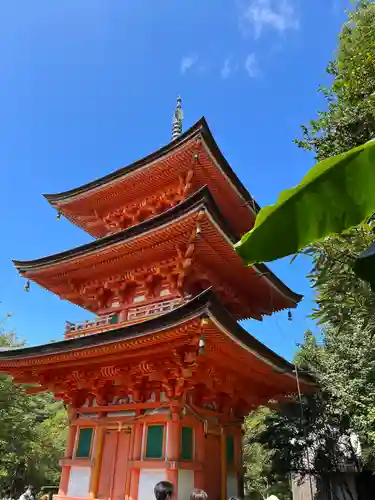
<point x="279" y="15"/>
<point x="187" y="62"/>
<point x="251" y="66"/>
<point x="229" y="68"/>
<point x="226" y="70"/>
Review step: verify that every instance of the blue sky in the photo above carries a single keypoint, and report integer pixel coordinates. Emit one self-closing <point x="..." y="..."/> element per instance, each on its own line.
<point x="90" y="85"/>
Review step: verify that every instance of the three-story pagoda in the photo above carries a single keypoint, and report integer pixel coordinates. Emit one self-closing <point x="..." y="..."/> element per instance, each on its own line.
<point x="157" y="385"/>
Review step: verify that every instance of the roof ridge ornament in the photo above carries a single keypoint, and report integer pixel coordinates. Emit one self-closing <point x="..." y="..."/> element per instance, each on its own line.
<point x="177" y="120"/>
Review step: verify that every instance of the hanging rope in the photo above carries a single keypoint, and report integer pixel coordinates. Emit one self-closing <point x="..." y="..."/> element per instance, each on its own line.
<point x="304" y="430"/>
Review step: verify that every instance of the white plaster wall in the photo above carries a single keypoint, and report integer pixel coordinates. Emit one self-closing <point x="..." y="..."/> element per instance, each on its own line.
<point x="148" y="478"/>
<point x="79" y="482"/>
<point x="185" y="484"/>
<point x="232" y="485"/>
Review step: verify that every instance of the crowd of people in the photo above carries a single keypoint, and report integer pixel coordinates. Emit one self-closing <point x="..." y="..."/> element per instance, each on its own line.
<point x="164" y="491"/>
<point x="28" y="494"/>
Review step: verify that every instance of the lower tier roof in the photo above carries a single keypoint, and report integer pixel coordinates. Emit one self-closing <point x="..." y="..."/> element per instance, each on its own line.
<point x="146" y="348"/>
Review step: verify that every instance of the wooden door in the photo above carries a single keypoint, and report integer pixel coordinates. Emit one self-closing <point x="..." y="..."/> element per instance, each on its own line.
<point x="114" y="469"/>
<point x="108" y="463"/>
<point x="212" y="466"/>
<point x="121" y="472"/>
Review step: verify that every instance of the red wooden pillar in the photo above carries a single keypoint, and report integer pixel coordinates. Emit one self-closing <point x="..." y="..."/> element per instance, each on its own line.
<point x="223" y="468"/>
<point x="173" y="448"/>
<point x="136" y="456"/>
<point x="64" y="478"/>
<point x="96" y="469"/>
<point x="238" y="444"/>
<point x="200" y="446"/>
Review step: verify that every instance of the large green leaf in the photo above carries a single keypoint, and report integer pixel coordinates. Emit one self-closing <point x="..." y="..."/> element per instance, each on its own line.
<point x="335" y="195"/>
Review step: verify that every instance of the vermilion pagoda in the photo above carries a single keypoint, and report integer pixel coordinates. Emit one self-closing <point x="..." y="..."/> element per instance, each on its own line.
<point x="158" y="384"/>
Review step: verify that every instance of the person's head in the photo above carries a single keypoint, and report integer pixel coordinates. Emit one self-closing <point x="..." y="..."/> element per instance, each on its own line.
<point x="163" y="490"/>
<point x="197" y="494"/>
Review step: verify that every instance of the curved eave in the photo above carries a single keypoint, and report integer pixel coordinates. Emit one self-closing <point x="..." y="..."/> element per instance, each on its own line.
<point x="199" y="128"/>
<point x="204" y="304"/>
<point x="201" y="199"/>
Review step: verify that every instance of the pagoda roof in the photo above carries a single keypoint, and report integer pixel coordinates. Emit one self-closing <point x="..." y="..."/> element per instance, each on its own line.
<point x="82" y="204"/>
<point x="200" y="201"/>
<point x="254" y="356"/>
<point x="200" y="127"/>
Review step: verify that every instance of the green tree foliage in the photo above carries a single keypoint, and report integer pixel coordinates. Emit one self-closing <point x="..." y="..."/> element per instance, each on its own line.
<point x="344" y="361"/>
<point x="334" y="196"/>
<point x="342" y="356"/>
<point x="312" y="438"/>
<point x="309" y="437"/>
<point x="349" y="120"/>
<point x="338" y="192"/>
<point x="32" y="433"/>
<point x="261" y="477"/>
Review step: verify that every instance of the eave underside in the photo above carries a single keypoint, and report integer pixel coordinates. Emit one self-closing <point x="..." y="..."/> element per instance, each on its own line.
<point x="162" y="354"/>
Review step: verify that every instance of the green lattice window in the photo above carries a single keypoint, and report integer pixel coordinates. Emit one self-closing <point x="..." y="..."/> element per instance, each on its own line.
<point x="84" y="442"/>
<point x="230" y="449"/>
<point x="155" y="441"/>
<point x="187" y="443"/>
<point x="114" y="319"/>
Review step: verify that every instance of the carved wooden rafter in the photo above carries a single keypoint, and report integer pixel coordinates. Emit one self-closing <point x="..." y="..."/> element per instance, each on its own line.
<point x="186" y="258"/>
<point x="182" y="370"/>
<point x="223" y="389"/>
<point x="138" y="211"/>
<point x="229" y="296"/>
<point x="96" y="294"/>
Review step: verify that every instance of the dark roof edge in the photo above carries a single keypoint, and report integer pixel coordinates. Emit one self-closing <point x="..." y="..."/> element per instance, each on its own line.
<point x="202" y="196"/>
<point x="200" y="126"/>
<point x="222" y="161"/>
<point x="203" y="304"/>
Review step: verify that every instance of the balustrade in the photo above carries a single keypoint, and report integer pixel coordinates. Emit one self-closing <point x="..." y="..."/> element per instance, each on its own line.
<point x="134" y="314"/>
<point x="154" y="309"/>
<point x="100" y="321"/>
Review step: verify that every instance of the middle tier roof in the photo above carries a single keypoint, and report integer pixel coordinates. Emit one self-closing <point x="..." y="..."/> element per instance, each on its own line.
<point x="190" y="246"/>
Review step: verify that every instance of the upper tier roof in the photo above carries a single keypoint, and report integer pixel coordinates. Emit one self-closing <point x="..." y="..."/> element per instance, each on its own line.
<point x="154" y="243"/>
<point x="152" y="181"/>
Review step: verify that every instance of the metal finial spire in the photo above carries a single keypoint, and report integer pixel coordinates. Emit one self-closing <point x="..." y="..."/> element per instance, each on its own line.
<point x="177" y="120"/>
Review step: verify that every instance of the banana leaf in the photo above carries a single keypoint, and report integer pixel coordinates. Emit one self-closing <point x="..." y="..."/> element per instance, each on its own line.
<point x="335" y="195"/>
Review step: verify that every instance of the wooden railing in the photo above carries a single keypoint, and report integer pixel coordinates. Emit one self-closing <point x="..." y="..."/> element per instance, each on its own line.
<point x="154" y="309"/>
<point x="131" y="316"/>
<point x="99" y="322"/>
